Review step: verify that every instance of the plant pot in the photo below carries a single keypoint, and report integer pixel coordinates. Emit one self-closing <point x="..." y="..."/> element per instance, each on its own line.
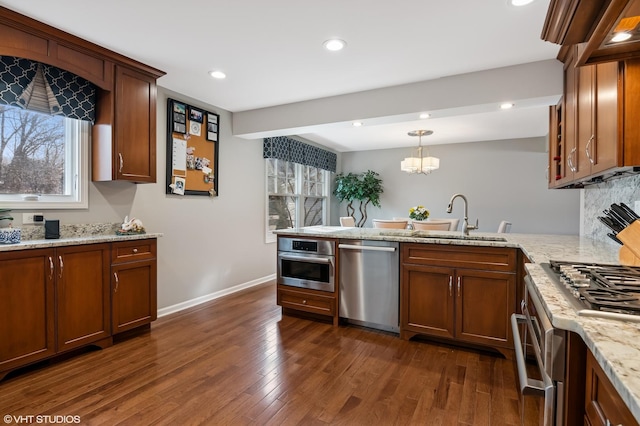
<point x="9" y="235"/>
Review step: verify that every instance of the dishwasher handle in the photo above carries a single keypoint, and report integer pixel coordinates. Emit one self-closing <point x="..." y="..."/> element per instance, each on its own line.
<point x="366" y="248"/>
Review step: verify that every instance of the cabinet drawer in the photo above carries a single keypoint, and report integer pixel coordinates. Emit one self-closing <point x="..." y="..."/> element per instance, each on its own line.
<point x="132" y="251"/>
<point x="483" y="258"/>
<point x="309" y="302"/>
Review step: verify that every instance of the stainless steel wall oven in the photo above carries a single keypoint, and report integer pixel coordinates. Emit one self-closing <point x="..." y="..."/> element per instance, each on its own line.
<point x="306" y="263"/>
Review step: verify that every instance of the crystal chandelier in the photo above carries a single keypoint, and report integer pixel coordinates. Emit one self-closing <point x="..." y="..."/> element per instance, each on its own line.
<point x="417" y="163"/>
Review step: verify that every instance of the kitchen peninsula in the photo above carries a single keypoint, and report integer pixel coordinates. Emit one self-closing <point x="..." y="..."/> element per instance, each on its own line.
<point x="614" y="344"/>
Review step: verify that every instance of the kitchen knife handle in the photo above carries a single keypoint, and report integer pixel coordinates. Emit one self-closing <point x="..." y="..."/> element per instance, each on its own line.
<point x="630" y="211"/>
<point x="614" y="238"/>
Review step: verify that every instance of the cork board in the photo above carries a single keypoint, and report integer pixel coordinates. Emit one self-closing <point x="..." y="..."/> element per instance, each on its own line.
<point x="192" y="150"/>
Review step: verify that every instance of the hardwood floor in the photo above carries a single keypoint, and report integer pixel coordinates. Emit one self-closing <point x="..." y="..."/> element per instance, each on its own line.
<point x="237" y="361"/>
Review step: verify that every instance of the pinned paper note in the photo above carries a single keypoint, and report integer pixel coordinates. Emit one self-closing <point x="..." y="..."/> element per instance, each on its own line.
<point x="179" y="157"/>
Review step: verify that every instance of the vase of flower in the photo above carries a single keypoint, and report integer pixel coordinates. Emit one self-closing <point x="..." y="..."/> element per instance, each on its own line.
<point x="418" y="213"/>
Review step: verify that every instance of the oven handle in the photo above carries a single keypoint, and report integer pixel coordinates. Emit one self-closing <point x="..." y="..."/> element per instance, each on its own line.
<point x="365" y="248"/>
<point x="527" y="386"/>
<point x="306" y="258"/>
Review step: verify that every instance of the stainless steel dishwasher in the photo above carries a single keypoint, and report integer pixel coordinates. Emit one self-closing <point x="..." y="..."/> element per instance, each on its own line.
<point x="370" y="283"/>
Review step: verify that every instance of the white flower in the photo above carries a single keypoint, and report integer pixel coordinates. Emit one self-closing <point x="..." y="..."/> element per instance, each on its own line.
<point x="418" y="213"/>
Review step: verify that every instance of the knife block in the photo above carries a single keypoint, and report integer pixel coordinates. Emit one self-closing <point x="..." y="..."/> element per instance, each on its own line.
<point x="630" y="252"/>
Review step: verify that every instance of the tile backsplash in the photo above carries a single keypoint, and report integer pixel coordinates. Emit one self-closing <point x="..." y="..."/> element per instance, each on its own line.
<point x="601" y="196"/>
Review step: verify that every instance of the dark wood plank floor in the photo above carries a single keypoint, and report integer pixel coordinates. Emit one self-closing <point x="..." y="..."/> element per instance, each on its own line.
<point x="236" y="361"/>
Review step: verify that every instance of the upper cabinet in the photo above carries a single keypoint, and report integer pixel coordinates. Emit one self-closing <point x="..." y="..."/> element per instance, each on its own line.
<point x="124" y="132"/>
<point x="593" y="131"/>
<point x="124" y="135"/>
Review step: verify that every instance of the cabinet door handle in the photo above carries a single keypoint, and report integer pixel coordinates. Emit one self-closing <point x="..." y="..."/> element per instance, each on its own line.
<point x="121" y="162"/>
<point x="459" y="278"/>
<point x="586" y="150"/>
<point x="572" y="167"/>
<point x="135" y="250"/>
<point x="50" y="268"/>
<point x="61" y="266"/>
<point x="115" y="276"/>
<point x="450" y="286"/>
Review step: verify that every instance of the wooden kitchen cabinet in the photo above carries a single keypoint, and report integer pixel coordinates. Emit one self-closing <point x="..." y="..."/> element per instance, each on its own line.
<point x="567" y="153"/>
<point x="597" y="109"/>
<point x="307" y="300"/>
<point x="133" y="284"/>
<point x="603" y="404"/>
<point x="27" y="310"/>
<point x="599" y="126"/>
<point x="463" y="293"/>
<point x="51" y="301"/>
<point x="556" y="169"/>
<point x="124" y="135"/>
<point x="82" y="295"/>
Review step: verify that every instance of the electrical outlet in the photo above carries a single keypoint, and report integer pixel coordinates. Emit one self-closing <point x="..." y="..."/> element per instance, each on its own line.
<point x="27" y="218"/>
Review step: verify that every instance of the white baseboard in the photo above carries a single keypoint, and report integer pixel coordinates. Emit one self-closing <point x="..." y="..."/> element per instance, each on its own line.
<point x="211" y="296"/>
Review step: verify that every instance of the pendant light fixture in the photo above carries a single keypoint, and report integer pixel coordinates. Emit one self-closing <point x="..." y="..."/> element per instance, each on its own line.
<point x="417" y="163"/>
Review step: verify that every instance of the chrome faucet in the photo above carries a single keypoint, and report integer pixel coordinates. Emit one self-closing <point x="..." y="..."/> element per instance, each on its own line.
<point x="465" y="224"/>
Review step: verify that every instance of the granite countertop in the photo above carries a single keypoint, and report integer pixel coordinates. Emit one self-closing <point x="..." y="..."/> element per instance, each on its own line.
<point x="615" y="344"/>
<point x="71" y="235"/>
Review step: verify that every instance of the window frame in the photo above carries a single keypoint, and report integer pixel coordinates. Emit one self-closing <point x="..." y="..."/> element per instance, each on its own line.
<point x="76" y="163"/>
<point x="298" y="195"/>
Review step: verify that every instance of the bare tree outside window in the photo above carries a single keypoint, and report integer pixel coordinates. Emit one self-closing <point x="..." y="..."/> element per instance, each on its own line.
<point x="32" y="152"/>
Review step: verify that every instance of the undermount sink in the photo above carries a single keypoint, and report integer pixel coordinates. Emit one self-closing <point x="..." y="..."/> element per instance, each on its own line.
<point x="455" y="236"/>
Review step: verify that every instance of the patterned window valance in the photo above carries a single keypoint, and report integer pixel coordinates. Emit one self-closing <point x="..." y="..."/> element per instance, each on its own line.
<point x="41" y="87"/>
<point x="285" y="148"/>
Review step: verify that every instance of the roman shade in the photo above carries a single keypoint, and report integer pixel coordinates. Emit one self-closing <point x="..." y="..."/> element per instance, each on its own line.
<point x="40" y="87"/>
<point x="285" y="148"/>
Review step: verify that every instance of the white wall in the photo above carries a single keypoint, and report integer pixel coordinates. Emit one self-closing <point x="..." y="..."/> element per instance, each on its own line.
<point x="503" y="180"/>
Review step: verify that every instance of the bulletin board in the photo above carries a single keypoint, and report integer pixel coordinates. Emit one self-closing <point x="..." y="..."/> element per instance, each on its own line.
<point x="192" y="150"/>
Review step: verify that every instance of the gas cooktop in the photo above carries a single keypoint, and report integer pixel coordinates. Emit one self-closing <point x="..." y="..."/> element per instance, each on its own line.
<point x="599" y="290"/>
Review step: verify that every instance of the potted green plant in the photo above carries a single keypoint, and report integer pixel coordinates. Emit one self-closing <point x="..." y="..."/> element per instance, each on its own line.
<point x="364" y="187"/>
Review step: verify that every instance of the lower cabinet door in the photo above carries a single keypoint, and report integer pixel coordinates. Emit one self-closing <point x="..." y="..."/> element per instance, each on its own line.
<point x="82" y="293"/>
<point x="27" y="320"/>
<point x="484" y="303"/>
<point x="427" y="299"/>
<point x="603" y="404"/>
<point x="133" y="292"/>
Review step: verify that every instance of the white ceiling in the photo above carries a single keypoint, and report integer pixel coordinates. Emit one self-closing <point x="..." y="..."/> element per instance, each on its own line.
<point x="272" y="53"/>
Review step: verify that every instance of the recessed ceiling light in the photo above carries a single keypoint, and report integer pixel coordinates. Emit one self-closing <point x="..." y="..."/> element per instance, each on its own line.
<point x="217" y="74"/>
<point x="425" y="115"/>
<point x="507" y="105"/>
<point x="334" y="44"/>
<point x="621" y="37"/>
<point x="520" y="2"/>
<point x="357" y="124"/>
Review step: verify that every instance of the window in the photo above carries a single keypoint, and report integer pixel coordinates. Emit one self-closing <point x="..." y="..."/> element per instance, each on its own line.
<point x="43" y="160"/>
<point x="298" y="195"/>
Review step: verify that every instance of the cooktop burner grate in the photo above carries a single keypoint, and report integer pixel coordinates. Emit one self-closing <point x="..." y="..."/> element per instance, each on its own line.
<point x="612" y="288"/>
